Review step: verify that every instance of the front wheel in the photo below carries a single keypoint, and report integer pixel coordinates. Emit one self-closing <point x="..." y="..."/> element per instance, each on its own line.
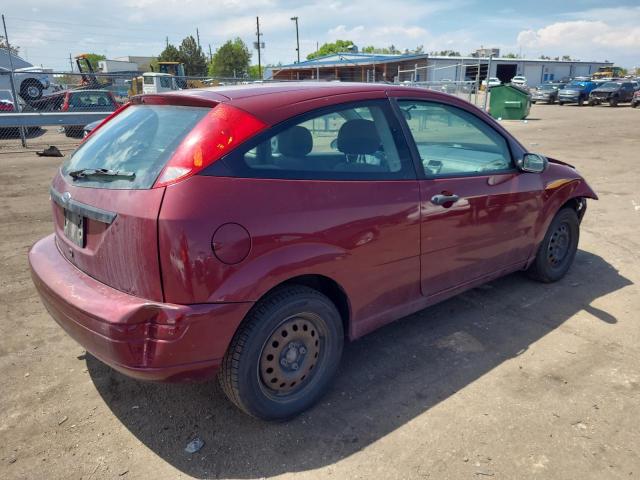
<point x="580" y="102"/>
<point x="613" y="102"/>
<point x="558" y="248"/>
<point x="560" y="103"/>
<point x="284" y="355"/>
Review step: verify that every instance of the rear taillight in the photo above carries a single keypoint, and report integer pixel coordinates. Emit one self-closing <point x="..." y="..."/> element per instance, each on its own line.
<point x="220" y="131"/>
<point x="65" y="104"/>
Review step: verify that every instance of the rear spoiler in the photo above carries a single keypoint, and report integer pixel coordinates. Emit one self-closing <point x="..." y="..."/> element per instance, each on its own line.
<point x="193" y="98"/>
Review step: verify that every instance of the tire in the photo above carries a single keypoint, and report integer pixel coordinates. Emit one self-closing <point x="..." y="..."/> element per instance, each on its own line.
<point x="73" y="132"/>
<point x="634" y="105"/>
<point x="558" y="248"/>
<point x="580" y="102"/>
<point x="533" y="102"/>
<point x="560" y="103"/>
<point x="31" y="90"/>
<point x="260" y="373"/>
<point x="613" y="102"/>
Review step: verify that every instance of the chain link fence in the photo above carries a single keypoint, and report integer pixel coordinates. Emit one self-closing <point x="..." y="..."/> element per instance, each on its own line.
<point x="93" y="96"/>
<point x="40" y="93"/>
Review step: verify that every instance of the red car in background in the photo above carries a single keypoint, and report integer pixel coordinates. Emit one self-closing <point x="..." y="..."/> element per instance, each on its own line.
<point x="80" y="100"/>
<point x="247" y="231"/>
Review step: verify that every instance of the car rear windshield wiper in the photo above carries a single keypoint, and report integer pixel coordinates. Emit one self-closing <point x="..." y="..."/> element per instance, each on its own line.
<point x="101" y="172"/>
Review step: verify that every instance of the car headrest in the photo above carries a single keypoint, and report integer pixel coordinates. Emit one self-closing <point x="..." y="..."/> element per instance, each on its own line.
<point x="295" y="142"/>
<point x="358" y="137"/>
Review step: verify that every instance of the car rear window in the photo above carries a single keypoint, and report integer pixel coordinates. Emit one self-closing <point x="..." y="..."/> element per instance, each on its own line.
<point x="141" y="139"/>
<point x="90" y="99"/>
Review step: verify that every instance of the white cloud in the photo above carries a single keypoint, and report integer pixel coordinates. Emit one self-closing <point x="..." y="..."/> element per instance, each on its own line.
<point x="592" y="34"/>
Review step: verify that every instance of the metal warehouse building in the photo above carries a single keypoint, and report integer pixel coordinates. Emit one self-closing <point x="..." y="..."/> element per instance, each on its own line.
<point x="362" y="67"/>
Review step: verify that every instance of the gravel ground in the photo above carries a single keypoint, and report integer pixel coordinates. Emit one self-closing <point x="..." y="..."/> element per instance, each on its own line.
<point x="513" y="380"/>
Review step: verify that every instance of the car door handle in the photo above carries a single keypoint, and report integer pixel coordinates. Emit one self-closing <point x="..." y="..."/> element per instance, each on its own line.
<point x="442" y="199"/>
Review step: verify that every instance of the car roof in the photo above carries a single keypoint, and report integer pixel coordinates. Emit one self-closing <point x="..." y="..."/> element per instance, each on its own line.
<point x="275" y="102"/>
<point x="234" y="92"/>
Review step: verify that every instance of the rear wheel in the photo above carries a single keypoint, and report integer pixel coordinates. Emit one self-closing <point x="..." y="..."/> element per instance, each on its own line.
<point x="558" y="248"/>
<point x="560" y="103"/>
<point x="31" y="90"/>
<point x="284" y="355"/>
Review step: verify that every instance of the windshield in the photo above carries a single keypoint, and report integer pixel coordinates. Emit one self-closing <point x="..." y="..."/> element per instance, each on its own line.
<point x="546" y="87"/>
<point x="574" y="86"/>
<point x="141" y="140"/>
<point x="610" y="85"/>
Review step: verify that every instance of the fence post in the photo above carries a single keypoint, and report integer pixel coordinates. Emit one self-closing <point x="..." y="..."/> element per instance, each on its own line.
<point x="486" y="90"/>
<point x="16" y="103"/>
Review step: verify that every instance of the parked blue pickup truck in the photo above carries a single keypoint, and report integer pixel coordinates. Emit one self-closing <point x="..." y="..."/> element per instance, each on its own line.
<point x="576" y="91"/>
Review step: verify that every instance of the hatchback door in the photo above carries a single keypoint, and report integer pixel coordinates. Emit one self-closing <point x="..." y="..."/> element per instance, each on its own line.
<point x="477" y="210"/>
<point x="105" y="208"/>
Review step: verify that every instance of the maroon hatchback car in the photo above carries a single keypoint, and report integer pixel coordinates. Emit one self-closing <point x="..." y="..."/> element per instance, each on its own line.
<point x="250" y="230"/>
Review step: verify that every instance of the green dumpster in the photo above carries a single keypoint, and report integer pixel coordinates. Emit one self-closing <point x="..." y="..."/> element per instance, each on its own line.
<point x="509" y="102"/>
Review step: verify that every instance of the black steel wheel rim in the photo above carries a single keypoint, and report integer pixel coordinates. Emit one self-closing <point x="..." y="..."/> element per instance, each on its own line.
<point x="559" y="245"/>
<point x="290" y="354"/>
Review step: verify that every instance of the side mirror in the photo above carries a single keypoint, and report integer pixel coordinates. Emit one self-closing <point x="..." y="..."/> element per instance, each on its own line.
<point x="532" y="163"/>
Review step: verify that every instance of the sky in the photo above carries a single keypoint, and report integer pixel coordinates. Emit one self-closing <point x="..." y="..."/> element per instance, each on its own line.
<point x="47" y="31"/>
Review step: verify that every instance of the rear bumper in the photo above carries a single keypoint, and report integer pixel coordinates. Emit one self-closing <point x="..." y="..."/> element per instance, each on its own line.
<point x="140" y="338"/>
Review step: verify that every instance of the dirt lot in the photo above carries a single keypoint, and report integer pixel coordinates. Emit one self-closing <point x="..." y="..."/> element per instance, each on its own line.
<point x="512" y="380"/>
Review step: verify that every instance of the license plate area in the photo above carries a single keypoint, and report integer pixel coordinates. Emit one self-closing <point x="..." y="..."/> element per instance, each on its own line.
<point x="74" y="227"/>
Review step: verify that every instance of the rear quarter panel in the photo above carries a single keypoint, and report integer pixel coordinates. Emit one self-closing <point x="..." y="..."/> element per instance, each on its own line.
<point x="363" y="235"/>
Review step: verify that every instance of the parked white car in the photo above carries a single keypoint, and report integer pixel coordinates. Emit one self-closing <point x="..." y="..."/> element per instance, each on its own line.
<point x="493" y="82"/>
<point x="30" y="82"/>
<point x="519" y="81"/>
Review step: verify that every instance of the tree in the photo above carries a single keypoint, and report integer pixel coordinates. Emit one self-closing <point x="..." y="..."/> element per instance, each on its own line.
<point x="230" y="59"/>
<point x="511" y="55"/>
<point x="169" y="54"/>
<point x="256" y="73"/>
<point x="191" y="54"/>
<point x="566" y="58"/>
<point x="338" y="46"/>
<point x="3" y="45"/>
<point x="94" y="58"/>
<point x="544" y="57"/>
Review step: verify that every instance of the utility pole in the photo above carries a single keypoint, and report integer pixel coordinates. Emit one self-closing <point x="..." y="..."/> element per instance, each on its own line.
<point x="210" y="54"/>
<point x="198" y="36"/>
<point x="295" y="19"/>
<point x="258" y="46"/>
<point x="16" y="103"/>
<point x="70" y="63"/>
<point x="166" y="41"/>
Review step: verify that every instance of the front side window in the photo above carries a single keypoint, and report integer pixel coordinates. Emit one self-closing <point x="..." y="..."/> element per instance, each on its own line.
<point x="452" y="141"/>
<point x="354" y="142"/>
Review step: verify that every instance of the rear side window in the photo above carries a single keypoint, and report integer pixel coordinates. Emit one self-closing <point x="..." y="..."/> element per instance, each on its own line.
<point x="356" y="142"/>
<point x="141" y="140"/>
